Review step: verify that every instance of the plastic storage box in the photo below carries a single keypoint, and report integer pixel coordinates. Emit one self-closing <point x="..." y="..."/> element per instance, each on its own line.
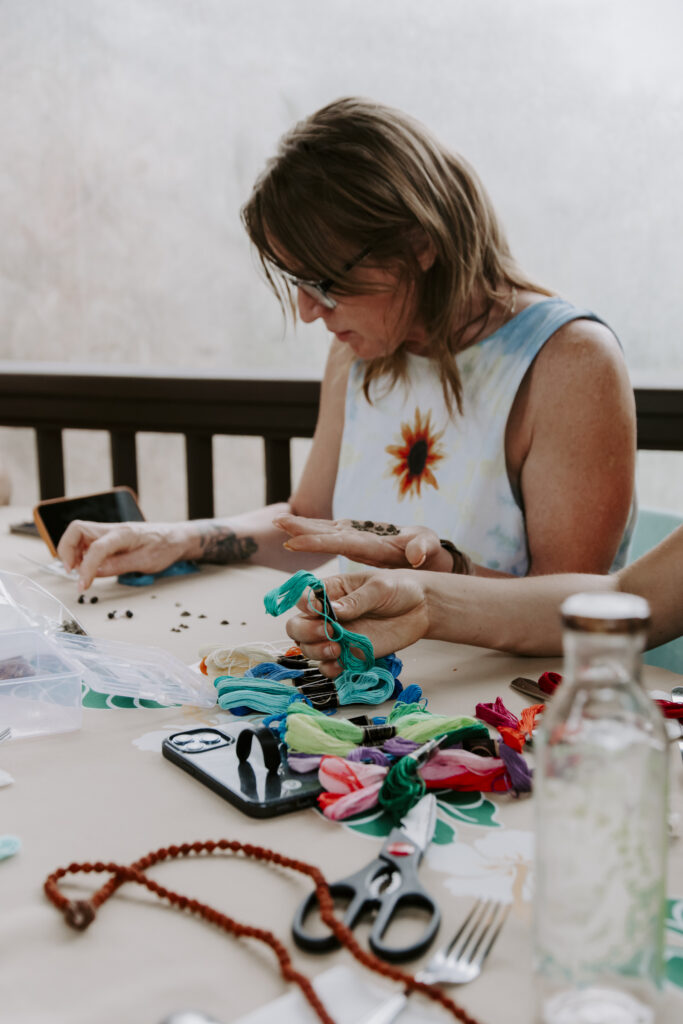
<point x="40" y="686"/>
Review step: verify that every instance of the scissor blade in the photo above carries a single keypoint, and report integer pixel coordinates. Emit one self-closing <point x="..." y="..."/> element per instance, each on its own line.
<point x="420" y="822"/>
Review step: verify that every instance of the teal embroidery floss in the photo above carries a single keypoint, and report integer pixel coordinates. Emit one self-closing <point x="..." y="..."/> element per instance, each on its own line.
<point x="282" y="598"/>
<point x="9" y="845"/>
<point x="273" y="696"/>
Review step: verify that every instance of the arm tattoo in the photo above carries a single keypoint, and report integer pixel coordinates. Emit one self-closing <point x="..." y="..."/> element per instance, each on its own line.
<point x="222" y="546"/>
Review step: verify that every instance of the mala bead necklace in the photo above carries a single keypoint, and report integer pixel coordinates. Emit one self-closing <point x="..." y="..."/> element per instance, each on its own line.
<point x="79" y="914"/>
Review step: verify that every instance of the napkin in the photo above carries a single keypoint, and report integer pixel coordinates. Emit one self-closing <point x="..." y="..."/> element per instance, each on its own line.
<point x="349" y="994"/>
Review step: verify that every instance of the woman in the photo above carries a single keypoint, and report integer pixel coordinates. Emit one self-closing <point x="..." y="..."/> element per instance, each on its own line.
<point x="459" y="397"/>
<point x="394" y="609"/>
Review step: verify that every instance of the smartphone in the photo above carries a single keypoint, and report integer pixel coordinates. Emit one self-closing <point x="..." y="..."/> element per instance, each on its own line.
<point x="29" y="529"/>
<point x="211" y="756"/>
<point x="119" y="505"/>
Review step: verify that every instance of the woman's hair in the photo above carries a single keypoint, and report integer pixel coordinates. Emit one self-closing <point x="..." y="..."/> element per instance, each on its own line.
<point x="359" y="175"/>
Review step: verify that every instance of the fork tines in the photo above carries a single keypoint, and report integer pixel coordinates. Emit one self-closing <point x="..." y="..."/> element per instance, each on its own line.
<point x="462" y="959"/>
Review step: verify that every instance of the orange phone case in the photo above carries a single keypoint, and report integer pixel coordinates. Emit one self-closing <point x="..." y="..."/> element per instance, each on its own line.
<point x="42" y="528"/>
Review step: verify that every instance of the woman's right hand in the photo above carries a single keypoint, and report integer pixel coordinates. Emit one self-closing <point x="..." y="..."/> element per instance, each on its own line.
<point x="109" y="549"/>
<point x="389" y="607"/>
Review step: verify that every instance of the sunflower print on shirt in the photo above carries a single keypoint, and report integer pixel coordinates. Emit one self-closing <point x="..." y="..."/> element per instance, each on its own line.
<point x="415" y="458"/>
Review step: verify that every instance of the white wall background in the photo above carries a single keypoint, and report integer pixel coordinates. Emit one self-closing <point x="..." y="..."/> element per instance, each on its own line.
<point x="132" y="131"/>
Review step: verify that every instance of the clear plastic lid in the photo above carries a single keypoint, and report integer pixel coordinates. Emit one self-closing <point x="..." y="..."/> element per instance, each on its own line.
<point x="107" y="666"/>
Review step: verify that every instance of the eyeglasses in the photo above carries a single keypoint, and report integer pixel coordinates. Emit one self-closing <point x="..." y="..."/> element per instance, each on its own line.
<point x="319" y="290"/>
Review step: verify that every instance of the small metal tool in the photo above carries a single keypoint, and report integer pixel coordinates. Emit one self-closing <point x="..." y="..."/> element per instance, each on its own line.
<point x="677" y="696"/>
<point x="529" y="688"/>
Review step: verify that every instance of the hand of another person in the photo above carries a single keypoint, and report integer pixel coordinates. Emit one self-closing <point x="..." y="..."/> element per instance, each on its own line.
<point x="388" y="607"/>
<point x="378" y="544"/>
<point x="109" y="549"/>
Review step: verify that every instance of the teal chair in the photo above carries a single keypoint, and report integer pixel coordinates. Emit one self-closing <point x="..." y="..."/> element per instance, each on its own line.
<point x="652" y="526"/>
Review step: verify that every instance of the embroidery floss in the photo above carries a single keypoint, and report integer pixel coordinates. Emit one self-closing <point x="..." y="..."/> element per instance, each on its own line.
<point x="307" y="731"/>
<point x="282" y="598"/>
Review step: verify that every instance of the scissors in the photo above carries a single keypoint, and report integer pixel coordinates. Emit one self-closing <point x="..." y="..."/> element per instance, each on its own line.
<point x="387" y="885"/>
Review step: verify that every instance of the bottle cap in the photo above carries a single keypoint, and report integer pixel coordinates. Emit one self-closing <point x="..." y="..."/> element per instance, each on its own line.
<point x="606" y="613"/>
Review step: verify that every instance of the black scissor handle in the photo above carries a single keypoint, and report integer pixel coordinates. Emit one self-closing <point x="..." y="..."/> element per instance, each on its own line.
<point x="390" y="908"/>
<point x="347" y="888"/>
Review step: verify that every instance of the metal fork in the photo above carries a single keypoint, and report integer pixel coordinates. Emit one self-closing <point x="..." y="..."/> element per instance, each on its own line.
<point x="459" y="961"/>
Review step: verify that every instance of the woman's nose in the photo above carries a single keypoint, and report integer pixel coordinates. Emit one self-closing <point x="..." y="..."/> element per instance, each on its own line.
<point x="309" y="308"/>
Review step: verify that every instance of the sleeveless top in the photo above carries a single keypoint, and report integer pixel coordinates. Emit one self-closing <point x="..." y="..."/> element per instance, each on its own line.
<point x="405" y="460"/>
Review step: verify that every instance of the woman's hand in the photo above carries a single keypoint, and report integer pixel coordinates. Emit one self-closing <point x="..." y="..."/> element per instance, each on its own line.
<point x="109" y="549"/>
<point x="388" y="607"/>
<point x="377" y="544"/>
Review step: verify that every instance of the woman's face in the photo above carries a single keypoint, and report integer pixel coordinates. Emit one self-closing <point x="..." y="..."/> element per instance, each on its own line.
<point x="372" y="325"/>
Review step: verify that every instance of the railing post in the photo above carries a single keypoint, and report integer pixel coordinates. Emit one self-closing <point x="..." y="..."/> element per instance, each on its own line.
<point x="124" y="463"/>
<point x="199" y="466"/>
<point x="50" y="462"/>
<point x="278" y="469"/>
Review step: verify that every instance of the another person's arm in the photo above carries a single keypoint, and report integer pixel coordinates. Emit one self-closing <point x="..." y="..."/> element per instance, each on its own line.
<point x="394" y="609"/>
<point x="104" y="549"/>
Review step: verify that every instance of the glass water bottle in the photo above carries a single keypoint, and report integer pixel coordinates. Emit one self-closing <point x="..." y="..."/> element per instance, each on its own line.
<point x="601" y="812"/>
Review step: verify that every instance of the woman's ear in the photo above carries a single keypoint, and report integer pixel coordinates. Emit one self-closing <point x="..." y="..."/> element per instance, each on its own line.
<point x="425" y="250"/>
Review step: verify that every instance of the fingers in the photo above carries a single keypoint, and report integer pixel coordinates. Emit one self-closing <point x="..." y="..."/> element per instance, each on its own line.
<point x="298" y="525"/>
<point x="74" y="541"/>
<point x="309" y="634"/>
<point x="359" y="547"/>
<point x="420" y="548"/>
<point x="98" y="558"/>
<point x="366" y="598"/>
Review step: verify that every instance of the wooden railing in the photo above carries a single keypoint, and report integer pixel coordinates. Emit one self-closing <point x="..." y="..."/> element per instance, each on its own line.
<point x="51" y="397"/>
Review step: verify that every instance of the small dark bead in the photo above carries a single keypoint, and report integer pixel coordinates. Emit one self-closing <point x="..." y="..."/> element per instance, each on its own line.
<point x="201" y="616"/>
<point x="186" y="613"/>
<point x="224" y="622"/>
<point x="242" y="623"/>
<point x="129" y="614"/>
<point x="81" y="598"/>
<point x="94" y="600"/>
<point x="110" y="615"/>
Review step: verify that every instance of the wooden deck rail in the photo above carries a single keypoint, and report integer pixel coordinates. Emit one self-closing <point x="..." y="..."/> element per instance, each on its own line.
<point x="51" y="397"/>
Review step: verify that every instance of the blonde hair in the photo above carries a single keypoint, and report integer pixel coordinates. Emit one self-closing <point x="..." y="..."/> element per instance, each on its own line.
<point x="358" y="175"/>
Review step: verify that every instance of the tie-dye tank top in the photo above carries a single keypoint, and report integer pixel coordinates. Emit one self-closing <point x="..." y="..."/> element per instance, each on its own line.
<point x="405" y="460"/>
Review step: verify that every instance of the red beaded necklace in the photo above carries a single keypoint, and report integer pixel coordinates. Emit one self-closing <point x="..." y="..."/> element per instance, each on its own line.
<point x="81" y="913"/>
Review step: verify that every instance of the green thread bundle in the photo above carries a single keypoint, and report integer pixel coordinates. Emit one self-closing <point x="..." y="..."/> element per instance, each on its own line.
<point x="308" y="731"/>
<point x="403" y="786"/>
<point x="282" y="598"/>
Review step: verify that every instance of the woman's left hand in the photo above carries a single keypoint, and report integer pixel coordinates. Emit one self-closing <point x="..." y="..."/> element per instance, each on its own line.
<point x="379" y="544"/>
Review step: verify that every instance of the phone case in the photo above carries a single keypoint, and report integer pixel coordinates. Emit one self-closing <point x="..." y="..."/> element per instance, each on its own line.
<point x="53" y="515"/>
<point x="246" y="765"/>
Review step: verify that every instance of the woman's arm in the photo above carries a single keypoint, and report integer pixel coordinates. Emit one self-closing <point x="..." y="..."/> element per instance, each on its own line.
<point x="570" y="448"/>
<point x="106" y="549"/>
<point x="394" y="609"/>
